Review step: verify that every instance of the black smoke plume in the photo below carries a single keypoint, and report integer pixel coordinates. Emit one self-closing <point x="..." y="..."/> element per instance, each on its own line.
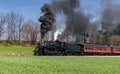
<point x="76" y="21"/>
<point x="47" y="19"/>
<point x="110" y="14"/>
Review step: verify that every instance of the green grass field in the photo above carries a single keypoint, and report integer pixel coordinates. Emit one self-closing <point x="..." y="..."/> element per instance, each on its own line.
<point x="59" y="65"/>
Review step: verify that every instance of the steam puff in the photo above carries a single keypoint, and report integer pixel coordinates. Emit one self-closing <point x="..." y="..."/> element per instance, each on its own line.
<point x="56" y="34"/>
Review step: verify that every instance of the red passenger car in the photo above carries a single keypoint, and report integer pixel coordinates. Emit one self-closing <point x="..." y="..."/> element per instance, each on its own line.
<point x="101" y="49"/>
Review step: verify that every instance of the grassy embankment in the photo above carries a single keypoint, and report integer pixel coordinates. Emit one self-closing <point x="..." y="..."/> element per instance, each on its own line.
<point x="16" y="50"/>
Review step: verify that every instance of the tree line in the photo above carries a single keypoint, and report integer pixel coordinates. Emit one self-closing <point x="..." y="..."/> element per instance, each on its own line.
<point x="13" y="28"/>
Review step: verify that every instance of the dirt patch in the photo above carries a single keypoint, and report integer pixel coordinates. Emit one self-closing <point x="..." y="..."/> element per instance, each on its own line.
<point x="16" y="53"/>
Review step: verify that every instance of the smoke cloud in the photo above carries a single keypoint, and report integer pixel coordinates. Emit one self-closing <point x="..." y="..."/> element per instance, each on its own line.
<point x="76" y="21"/>
<point x="47" y="19"/>
<point x="110" y="14"/>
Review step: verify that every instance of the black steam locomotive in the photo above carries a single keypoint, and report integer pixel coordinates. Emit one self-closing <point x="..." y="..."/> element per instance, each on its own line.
<point x="58" y="48"/>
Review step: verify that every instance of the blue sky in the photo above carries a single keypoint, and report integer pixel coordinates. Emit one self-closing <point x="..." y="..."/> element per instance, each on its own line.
<point x="31" y="8"/>
<point x="92" y="7"/>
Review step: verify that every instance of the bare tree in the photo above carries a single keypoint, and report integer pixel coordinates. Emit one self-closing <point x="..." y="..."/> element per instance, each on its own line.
<point x="30" y="31"/>
<point x="20" y="23"/>
<point x="2" y="23"/>
<point x="14" y="22"/>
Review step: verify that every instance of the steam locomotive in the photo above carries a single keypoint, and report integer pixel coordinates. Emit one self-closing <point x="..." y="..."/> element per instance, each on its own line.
<point x="62" y="48"/>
